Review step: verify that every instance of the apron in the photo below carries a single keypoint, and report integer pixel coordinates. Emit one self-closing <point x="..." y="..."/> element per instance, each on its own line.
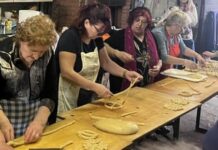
<point x="174" y="50"/>
<point x="20" y="110"/>
<point x="20" y="119"/>
<point x="68" y="91"/>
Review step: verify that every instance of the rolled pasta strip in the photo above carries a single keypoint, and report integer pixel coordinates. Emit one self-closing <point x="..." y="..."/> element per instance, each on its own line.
<point x="87" y="134"/>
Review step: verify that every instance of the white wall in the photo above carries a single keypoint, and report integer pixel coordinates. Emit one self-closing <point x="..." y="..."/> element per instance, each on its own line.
<point x="158" y="7"/>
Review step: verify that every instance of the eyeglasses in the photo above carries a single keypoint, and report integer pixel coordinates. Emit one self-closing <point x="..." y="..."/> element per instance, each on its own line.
<point x="99" y="31"/>
<point x="141" y="21"/>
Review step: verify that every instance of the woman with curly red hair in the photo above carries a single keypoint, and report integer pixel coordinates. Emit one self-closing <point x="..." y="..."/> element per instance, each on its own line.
<point x="138" y="41"/>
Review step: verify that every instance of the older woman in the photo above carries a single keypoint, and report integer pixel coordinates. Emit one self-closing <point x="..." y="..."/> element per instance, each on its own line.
<point x="28" y="85"/>
<point x="80" y="52"/>
<point x="138" y="41"/>
<point x="170" y="43"/>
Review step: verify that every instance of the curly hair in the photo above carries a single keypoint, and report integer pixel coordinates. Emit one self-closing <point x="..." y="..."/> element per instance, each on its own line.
<point x="37" y="30"/>
<point x="137" y="12"/>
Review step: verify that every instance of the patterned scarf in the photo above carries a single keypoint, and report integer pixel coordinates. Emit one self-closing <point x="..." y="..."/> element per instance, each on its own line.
<point x="129" y="47"/>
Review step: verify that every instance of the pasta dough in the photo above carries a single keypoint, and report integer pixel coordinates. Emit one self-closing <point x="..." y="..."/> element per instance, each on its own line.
<point x="116" y="126"/>
<point x="173" y="106"/>
<point x="180" y="101"/>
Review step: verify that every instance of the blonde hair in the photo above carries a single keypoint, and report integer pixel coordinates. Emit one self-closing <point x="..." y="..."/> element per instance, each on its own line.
<point x="37" y="30"/>
<point x="178" y="17"/>
<point x="162" y="21"/>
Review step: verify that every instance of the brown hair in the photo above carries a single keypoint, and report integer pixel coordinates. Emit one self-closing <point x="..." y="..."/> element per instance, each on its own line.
<point x="95" y="13"/>
<point x="137" y="12"/>
<point x="37" y="30"/>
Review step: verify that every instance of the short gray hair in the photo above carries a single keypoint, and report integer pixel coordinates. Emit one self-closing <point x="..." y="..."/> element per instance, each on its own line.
<point x="178" y="17"/>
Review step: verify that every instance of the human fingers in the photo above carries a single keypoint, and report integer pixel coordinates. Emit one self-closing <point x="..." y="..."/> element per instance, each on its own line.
<point x="106" y="94"/>
<point x="8" y="134"/>
<point x="31" y="137"/>
<point x="33" y="132"/>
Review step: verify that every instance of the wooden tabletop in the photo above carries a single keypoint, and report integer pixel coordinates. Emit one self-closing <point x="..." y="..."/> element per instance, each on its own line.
<point x="173" y="86"/>
<point x="69" y="134"/>
<point x="149" y="107"/>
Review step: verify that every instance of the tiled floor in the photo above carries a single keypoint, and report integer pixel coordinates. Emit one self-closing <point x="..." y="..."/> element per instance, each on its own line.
<point x="189" y="139"/>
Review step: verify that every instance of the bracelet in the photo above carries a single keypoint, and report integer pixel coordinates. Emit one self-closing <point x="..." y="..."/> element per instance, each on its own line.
<point x="124" y="74"/>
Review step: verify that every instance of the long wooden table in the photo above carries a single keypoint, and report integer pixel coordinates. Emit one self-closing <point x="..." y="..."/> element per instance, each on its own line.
<point x="173" y="86"/>
<point x="149" y="105"/>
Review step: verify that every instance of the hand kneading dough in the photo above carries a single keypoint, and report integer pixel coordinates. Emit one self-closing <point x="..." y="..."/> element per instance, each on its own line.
<point x="116" y="126"/>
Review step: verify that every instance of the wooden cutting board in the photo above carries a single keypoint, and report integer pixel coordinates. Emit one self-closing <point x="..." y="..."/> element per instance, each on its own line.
<point x="183" y="74"/>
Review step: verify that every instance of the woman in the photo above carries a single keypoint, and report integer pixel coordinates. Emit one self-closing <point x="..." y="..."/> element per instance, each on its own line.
<point x="170" y="43"/>
<point x="80" y="52"/>
<point x="138" y="41"/>
<point x="28" y="83"/>
<point x="189" y="8"/>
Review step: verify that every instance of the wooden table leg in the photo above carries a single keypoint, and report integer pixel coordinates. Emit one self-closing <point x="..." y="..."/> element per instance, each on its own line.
<point x="198" y="119"/>
<point x="176" y="126"/>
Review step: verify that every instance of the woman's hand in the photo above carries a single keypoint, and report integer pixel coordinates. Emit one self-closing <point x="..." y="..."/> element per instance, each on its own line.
<point x="123" y="56"/>
<point x="201" y="60"/>
<point x="190" y="64"/>
<point x="4" y="146"/>
<point x="34" y="132"/>
<point x="7" y="129"/>
<point x="155" y="70"/>
<point x="130" y="75"/>
<point x="102" y="91"/>
<point x="209" y="54"/>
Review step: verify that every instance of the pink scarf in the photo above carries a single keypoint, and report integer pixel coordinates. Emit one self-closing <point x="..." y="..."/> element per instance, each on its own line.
<point x="129" y="47"/>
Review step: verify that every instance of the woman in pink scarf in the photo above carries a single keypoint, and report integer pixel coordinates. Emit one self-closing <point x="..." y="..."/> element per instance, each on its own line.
<point x="138" y="41"/>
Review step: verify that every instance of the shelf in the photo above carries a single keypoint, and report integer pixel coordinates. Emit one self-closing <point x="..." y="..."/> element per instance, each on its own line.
<point x="24" y="1"/>
<point x="6" y="1"/>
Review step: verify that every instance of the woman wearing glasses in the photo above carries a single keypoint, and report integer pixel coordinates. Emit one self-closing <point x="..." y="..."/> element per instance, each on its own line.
<point x="138" y="41"/>
<point x="170" y="43"/>
<point x="80" y="52"/>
